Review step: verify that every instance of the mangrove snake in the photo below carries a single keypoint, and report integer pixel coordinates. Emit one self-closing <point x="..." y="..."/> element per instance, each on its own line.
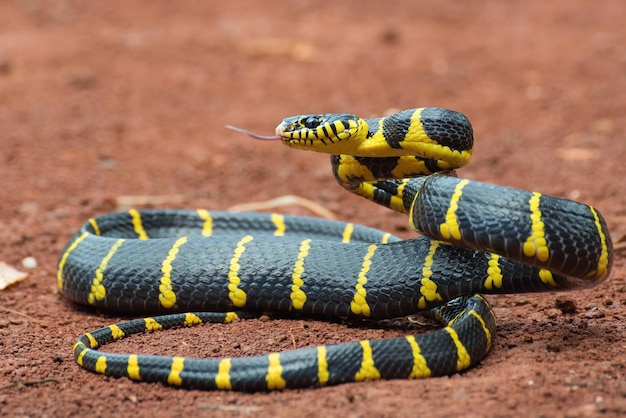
<point x="477" y="238"/>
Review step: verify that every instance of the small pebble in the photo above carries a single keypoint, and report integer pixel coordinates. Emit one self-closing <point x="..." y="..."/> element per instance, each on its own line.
<point x="554" y="348"/>
<point x="553" y="313"/>
<point x="595" y="313"/>
<point x="29" y="263"/>
<point x="566" y="306"/>
<point x="521" y="302"/>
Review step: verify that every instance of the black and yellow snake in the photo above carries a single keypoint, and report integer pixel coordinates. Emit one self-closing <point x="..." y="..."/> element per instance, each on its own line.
<point x="477" y="238"/>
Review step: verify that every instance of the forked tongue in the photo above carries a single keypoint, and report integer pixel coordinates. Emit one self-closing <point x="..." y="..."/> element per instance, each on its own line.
<point x="255" y="136"/>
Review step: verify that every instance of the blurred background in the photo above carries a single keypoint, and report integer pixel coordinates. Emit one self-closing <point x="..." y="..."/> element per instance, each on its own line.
<point x="144" y="89"/>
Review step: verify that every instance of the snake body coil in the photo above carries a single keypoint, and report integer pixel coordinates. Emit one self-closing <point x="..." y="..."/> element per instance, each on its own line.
<point x="478" y="238"/>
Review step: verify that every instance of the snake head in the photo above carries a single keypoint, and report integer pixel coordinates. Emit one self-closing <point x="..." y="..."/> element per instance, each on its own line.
<point x="320" y="132"/>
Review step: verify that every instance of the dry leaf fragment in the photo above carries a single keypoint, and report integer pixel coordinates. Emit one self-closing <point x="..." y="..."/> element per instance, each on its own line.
<point x="9" y="275"/>
<point x="297" y="50"/>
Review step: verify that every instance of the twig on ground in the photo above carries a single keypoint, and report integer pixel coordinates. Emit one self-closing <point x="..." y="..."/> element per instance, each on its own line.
<point x="30" y="383"/>
<point x="13" y="311"/>
<point x="286" y="200"/>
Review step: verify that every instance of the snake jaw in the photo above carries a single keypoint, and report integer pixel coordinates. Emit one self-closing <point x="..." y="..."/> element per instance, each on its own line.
<point x="288" y="133"/>
<point x="282" y="132"/>
<point x="284" y="127"/>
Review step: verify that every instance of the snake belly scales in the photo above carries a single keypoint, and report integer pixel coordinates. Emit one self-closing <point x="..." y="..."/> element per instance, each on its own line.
<point x="191" y="267"/>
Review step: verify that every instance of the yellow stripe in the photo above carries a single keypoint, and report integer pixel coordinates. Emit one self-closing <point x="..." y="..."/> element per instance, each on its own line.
<point x="368" y="369"/>
<point x="342" y="132"/>
<point x="230" y="317"/>
<point x="319" y="131"/>
<point x="191" y="319"/>
<point x="322" y="366"/>
<point x="365" y="190"/>
<point x="222" y="379"/>
<point x="79" y="358"/>
<point x="385" y="238"/>
<point x="132" y="370"/>
<point x="178" y="364"/>
<point x="421" y="144"/>
<point x="546" y="277"/>
<point x="420" y="365"/>
<point x="347" y="233"/>
<point x="66" y="254"/>
<point x="396" y="201"/>
<point x="359" y="305"/>
<point x="237" y="295"/>
<point x="409" y="166"/>
<point x="450" y="228"/>
<point x="274" y="377"/>
<point x="207" y="225"/>
<point x="375" y="143"/>
<point x="101" y="365"/>
<point x="484" y="326"/>
<point x="93" y="343"/>
<point x="494" y="274"/>
<point x="152" y="325"/>
<point x="98" y="291"/>
<point x="428" y="287"/>
<point x="137" y="224"/>
<point x="536" y="245"/>
<point x="298" y="297"/>
<point x="463" y="359"/>
<point x="349" y="169"/>
<point x="94" y="225"/>
<point x="167" y="296"/>
<point x="416" y="129"/>
<point x="279" y="222"/>
<point x="116" y="332"/>
<point x="603" y="261"/>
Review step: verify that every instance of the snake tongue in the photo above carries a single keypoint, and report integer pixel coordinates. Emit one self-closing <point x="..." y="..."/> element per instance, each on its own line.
<point x="255" y="136"/>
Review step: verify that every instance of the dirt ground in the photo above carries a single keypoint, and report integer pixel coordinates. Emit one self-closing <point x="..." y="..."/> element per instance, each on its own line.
<point x="104" y="105"/>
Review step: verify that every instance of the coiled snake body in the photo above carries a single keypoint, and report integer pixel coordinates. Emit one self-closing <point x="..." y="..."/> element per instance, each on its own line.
<point x="477" y="238"/>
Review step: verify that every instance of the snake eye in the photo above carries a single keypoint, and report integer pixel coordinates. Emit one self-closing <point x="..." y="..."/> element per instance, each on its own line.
<point x="311" y="122"/>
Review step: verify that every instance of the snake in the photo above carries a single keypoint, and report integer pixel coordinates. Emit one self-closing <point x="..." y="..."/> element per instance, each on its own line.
<point x="187" y="267"/>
